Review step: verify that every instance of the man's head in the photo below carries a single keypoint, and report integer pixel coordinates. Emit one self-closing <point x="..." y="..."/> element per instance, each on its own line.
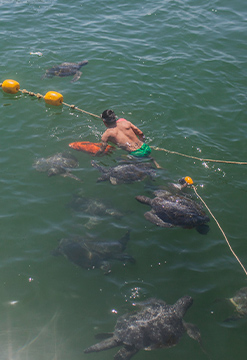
<point x="108" y="116"/>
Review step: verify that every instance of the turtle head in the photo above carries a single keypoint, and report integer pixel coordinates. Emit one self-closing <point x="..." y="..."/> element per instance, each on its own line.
<point x="81" y="63"/>
<point x="182" y="305"/>
<point x="185" y="181"/>
<point x="143" y="199"/>
<point x="105" y="266"/>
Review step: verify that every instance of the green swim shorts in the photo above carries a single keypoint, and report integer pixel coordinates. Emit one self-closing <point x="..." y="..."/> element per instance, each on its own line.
<point x="142" y="152"/>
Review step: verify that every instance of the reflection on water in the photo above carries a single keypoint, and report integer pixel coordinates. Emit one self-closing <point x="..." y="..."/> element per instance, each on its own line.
<point x="40" y="341"/>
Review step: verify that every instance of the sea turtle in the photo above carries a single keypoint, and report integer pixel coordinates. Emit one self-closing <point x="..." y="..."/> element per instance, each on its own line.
<point x="66" y="69"/>
<point x="91" y="254"/>
<point x="94" y="209"/>
<point x="125" y="173"/>
<point x="93" y="206"/>
<point x="57" y="164"/>
<point x="170" y="210"/>
<point x="155" y="325"/>
<point x="239" y="300"/>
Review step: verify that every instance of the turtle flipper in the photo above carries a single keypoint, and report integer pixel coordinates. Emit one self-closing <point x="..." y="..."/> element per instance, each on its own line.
<point x="103" y="345"/>
<point x="194" y="332"/>
<point x="76" y="76"/>
<point x="68" y="174"/>
<point x="124" y="257"/>
<point x="202" y="229"/>
<point x="152" y="217"/>
<point x="126" y="353"/>
<point x="124" y="240"/>
<point x="104" y="177"/>
<point x="234" y="317"/>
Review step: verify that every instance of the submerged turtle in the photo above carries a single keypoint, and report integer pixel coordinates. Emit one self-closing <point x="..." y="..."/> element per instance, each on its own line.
<point x="156" y="325"/>
<point x="170" y="210"/>
<point x="239" y="300"/>
<point x="90" y="254"/>
<point x="57" y="164"/>
<point x="125" y="173"/>
<point x="94" y="208"/>
<point x="66" y="69"/>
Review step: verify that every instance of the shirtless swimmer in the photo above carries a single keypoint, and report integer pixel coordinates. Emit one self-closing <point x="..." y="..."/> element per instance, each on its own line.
<point x="124" y="134"/>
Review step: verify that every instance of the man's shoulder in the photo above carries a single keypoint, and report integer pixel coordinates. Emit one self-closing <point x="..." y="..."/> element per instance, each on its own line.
<point x="121" y="119"/>
<point x="108" y="133"/>
<point x="123" y="123"/>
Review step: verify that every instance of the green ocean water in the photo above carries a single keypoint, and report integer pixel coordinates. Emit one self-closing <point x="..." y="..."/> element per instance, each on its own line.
<point x="176" y="69"/>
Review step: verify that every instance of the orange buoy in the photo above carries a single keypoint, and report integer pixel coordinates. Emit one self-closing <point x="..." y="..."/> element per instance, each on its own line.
<point x="89" y="147"/>
<point x="188" y="180"/>
<point x="10" y="86"/>
<point x="53" y="98"/>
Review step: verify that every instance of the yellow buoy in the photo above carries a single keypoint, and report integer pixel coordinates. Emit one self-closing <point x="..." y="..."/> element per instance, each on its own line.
<point x="188" y="180"/>
<point x="10" y="86"/>
<point x="53" y="98"/>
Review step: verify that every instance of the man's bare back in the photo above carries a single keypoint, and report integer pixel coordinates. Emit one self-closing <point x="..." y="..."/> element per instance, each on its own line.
<point x="124" y="134"/>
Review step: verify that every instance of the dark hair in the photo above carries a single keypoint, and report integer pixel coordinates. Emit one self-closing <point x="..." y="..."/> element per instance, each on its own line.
<point x="108" y="116"/>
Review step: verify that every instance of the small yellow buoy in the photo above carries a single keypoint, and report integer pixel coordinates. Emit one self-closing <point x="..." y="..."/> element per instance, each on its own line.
<point x="53" y="98"/>
<point x="10" y="86"/>
<point x="188" y="180"/>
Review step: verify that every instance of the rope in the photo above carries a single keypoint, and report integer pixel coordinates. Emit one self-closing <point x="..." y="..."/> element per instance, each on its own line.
<point x="24" y="91"/>
<point x="227" y="241"/>
<point x="84" y="111"/>
<point x="201" y="159"/>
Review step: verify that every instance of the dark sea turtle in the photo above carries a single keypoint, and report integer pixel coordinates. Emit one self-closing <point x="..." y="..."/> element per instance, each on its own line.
<point x="170" y="210"/>
<point x="156" y="325"/>
<point x="66" y="69"/>
<point x="239" y="300"/>
<point x="125" y="173"/>
<point x="57" y="164"/>
<point x="91" y="254"/>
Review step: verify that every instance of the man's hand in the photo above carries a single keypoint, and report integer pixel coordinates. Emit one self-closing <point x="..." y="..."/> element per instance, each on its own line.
<point x="101" y="149"/>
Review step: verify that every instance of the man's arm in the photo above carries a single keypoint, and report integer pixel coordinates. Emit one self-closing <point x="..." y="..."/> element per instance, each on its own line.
<point x="138" y="132"/>
<point x="104" y="139"/>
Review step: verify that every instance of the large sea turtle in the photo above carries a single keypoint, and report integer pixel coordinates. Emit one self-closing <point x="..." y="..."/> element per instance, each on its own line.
<point x="125" y="173"/>
<point x="66" y="69"/>
<point x="91" y="254"/>
<point x="156" y="325"/>
<point x="57" y="164"/>
<point x="169" y="210"/>
<point x="239" y="300"/>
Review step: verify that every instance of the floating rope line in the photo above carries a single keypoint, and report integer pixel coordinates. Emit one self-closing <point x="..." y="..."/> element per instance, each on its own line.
<point x="52" y="97"/>
<point x="24" y="91"/>
<point x="200" y="159"/>
<point x="84" y="111"/>
<point x="55" y="98"/>
<point x="227" y="241"/>
<point x="39" y="96"/>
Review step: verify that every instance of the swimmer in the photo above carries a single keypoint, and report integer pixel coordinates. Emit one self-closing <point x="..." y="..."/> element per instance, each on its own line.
<point x="125" y="135"/>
